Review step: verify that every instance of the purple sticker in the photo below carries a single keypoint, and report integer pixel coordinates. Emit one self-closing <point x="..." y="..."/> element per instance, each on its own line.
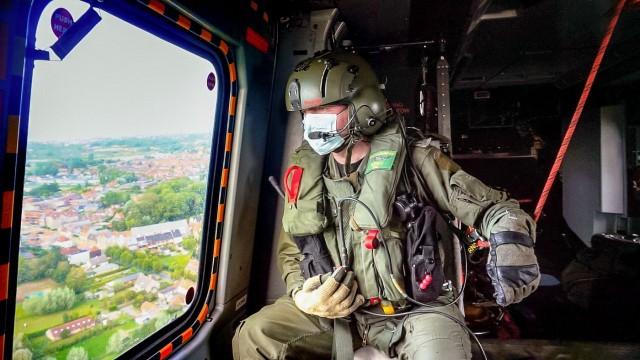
<point x="61" y="21"/>
<point x="211" y="81"/>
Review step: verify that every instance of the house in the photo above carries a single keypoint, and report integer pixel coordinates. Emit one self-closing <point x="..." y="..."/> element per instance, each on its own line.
<point x="62" y="242"/>
<point x="96" y="261"/>
<point x="75" y="256"/>
<point x="123" y="280"/>
<point x="95" y="252"/>
<point x="33" y="217"/>
<point x="151" y="236"/>
<point x="148" y="311"/>
<point x="146" y="283"/>
<point x="105" y="268"/>
<point x="167" y="294"/>
<point x="183" y="286"/>
<point x="73" y="327"/>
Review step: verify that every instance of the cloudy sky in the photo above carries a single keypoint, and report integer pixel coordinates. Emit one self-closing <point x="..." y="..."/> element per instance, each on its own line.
<point x="119" y="81"/>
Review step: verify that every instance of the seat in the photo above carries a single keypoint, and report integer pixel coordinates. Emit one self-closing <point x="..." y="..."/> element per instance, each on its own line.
<point x="370" y="353"/>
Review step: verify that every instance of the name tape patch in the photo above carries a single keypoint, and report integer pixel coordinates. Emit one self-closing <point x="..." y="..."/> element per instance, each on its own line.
<point x="381" y="160"/>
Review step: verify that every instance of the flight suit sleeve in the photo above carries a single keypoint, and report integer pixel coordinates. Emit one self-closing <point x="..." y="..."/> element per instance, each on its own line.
<point x="289" y="258"/>
<point x="512" y="264"/>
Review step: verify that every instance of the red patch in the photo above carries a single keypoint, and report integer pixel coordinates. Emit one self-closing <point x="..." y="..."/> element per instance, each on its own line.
<point x="312" y="102"/>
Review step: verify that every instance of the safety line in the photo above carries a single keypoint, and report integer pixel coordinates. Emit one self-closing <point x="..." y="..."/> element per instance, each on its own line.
<point x="578" y="112"/>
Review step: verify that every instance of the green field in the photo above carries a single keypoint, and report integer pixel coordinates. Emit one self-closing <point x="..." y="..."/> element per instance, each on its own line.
<point x="96" y="345"/>
<point x="175" y="262"/>
<point x="34" y="323"/>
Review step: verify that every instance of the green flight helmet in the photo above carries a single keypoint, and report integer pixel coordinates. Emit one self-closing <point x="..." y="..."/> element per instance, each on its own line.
<point x="338" y="78"/>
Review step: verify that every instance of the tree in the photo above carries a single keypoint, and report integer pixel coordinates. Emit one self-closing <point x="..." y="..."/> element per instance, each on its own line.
<point x="156" y="265"/>
<point x="145" y="330"/>
<point x="45" y="168"/>
<point x="65" y="333"/>
<point x="114" y="198"/>
<point x="45" y="190"/>
<point x="162" y="319"/>
<point x="190" y="244"/>
<point x="77" y="353"/>
<point x="55" y="300"/>
<point x="77" y="279"/>
<point x="139" y="299"/>
<point x="168" y="201"/>
<point x="118" y="342"/>
<point x="22" y="354"/>
<point x="126" y="258"/>
<point x="75" y="163"/>
<point x="61" y="271"/>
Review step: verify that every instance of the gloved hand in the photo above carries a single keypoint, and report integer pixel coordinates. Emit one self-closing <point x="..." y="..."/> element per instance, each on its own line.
<point x="512" y="266"/>
<point x="332" y="295"/>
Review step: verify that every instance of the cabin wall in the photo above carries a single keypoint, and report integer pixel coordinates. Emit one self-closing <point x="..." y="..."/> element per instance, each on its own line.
<point x="593" y="173"/>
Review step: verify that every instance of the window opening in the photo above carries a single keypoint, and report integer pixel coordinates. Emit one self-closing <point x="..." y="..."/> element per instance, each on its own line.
<point x="117" y="162"/>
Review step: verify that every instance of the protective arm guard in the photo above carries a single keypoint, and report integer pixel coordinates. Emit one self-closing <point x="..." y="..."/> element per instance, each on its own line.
<point x="512" y="267"/>
<point x="512" y="264"/>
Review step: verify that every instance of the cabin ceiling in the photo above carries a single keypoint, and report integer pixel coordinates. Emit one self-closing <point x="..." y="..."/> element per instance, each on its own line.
<point x="499" y="42"/>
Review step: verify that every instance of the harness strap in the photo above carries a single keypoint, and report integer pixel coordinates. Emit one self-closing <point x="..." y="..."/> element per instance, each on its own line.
<point x="342" y="342"/>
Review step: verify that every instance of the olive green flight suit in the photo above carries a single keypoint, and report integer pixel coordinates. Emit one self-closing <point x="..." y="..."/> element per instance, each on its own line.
<point x="282" y="331"/>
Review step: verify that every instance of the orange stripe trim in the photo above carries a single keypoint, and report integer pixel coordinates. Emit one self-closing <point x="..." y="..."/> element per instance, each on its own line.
<point x="186" y="335"/>
<point x="166" y="351"/>
<point x="228" y="142"/>
<point x="232" y="105"/>
<point x="220" y="213"/>
<point x="2" y="347"/>
<point x="203" y="313"/>
<point x="214" y="281"/>
<point x="206" y="35"/>
<point x="265" y="17"/>
<point x="184" y="22"/>
<point x="225" y="178"/>
<point x="232" y="72"/>
<point x="224" y="47"/>
<point x="156" y="6"/>
<point x="7" y="210"/>
<point x="12" y="134"/>
<point x="4" y="281"/>
<point x="253" y="5"/>
<point x="216" y="248"/>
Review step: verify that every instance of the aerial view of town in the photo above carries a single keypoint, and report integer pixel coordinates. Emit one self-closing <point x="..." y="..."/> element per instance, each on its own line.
<point x="109" y="242"/>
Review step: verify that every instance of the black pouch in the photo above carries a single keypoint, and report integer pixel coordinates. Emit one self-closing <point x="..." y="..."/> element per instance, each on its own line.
<point x="317" y="260"/>
<point x="425" y="273"/>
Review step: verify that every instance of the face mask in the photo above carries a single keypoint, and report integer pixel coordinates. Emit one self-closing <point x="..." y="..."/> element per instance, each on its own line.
<point x="325" y="138"/>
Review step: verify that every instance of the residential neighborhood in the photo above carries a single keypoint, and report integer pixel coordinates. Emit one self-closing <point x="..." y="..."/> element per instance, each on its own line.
<point x="109" y="241"/>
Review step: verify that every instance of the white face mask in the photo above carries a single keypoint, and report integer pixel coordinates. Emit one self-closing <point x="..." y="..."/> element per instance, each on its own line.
<point x="325" y="137"/>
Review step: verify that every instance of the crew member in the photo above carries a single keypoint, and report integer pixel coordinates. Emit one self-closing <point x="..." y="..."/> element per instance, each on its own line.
<point x="344" y="179"/>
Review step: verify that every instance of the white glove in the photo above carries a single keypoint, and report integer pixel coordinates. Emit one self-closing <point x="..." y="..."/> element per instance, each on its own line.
<point x="335" y="297"/>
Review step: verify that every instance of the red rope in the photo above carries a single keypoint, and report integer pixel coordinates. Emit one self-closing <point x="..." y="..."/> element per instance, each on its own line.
<point x="576" y="115"/>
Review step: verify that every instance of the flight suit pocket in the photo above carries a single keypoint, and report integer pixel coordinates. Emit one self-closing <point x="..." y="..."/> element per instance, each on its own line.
<point x="395" y="246"/>
<point x="370" y="265"/>
<point x="470" y="197"/>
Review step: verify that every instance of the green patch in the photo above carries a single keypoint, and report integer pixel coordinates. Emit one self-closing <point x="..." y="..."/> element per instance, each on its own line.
<point x="381" y="160"/>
